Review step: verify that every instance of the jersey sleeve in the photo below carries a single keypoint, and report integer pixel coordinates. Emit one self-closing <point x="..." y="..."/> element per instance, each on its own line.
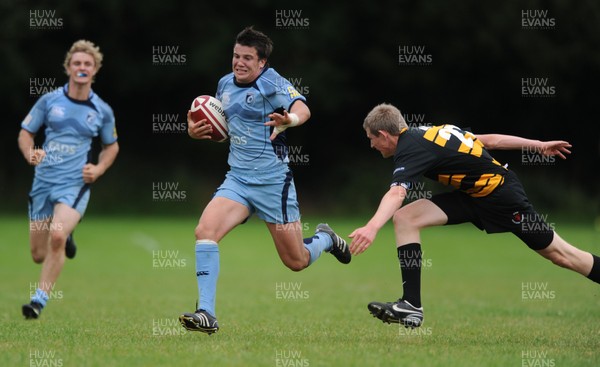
<point x="221" y="86"/>
<point x="289" y="95"/>
<point x="281" y="93"/>
<point x="36" y="117"/>
<point x="108" y="131"/>
<point x="219" y="91"/>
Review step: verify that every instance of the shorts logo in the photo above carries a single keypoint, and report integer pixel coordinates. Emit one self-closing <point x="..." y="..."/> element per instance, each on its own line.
<point x="249" y="98"/>
<point x="517" y="218"/>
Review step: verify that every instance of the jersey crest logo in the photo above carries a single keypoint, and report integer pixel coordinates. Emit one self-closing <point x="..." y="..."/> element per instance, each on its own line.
<point x="249" y="98"/>
<point x="91" y="117"/>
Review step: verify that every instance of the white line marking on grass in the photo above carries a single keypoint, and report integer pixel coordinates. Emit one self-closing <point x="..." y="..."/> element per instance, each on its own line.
<point x="145" y="241"/>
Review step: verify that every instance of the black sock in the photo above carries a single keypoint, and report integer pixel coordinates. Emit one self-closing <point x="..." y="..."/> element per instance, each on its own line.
<point x="595" y="273"/>
<point x="410" y="256"/>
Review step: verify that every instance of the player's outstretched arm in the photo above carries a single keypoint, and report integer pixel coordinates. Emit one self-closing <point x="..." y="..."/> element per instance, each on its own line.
<point x="556" y="147"/>
<point x="510" y="142"/>
<point x="299" y="114"/>
<point x="363" y="237"/>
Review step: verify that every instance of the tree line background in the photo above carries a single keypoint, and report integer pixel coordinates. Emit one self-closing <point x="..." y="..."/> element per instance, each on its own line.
<point x="473" y="58"/>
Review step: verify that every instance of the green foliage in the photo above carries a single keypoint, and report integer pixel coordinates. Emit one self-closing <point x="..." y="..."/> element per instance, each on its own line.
<point x="347" y="58"/>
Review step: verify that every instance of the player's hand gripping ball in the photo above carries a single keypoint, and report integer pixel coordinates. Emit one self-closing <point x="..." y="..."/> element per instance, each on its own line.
<point x="211" y="109"/>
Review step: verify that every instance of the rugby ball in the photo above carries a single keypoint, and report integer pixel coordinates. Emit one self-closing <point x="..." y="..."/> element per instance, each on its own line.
<point x="211" y="109"/>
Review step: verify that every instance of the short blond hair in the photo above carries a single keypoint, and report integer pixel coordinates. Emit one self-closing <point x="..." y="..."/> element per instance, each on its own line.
<point x="384" y="117"/>
<point x="89" y="48"/>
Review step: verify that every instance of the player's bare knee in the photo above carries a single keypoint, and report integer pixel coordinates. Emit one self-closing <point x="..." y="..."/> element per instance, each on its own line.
<point x="295" y="265"/>
<point x="398" y="218"/>
<point x="37" y="256"/>
<point x="402" y="220"/>
<point x="58" y="240"/>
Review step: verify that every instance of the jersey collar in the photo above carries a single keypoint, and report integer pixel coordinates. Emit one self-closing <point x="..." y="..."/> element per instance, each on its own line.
<point x="246" y="85"/>
<point x="87" y="102"/>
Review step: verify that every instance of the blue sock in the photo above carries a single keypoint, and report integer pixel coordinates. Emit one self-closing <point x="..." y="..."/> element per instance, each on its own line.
<point x="40" y="297"/>
<point x="317" y="244"/>
<point x="207" y="272"/>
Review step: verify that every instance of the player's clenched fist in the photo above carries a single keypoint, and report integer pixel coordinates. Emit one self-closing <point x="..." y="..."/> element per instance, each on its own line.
<point x="36" y="156"/>
<point x="91" y="173"/>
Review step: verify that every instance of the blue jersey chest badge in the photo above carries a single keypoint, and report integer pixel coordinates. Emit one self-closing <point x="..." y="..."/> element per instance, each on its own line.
<point x="249" y="98"/>
<point x="91" y="118"/>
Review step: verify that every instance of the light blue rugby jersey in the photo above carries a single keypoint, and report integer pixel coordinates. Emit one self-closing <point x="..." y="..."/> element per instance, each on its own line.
<point x="70" y="127"/>
<point x="247" y="107"/>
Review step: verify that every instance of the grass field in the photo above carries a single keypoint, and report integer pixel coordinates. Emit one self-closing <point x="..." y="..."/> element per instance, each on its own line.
<point x="489" y="301"/>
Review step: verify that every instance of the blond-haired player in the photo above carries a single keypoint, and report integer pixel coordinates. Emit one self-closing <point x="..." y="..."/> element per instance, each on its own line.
<point x="486" y="194"/>
<point x="71" y="117"/>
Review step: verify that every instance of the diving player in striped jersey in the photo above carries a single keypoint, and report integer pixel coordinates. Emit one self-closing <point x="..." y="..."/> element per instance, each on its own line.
<point x="72" y="116"/>
<point x="259" y="105"/>
<point x="486" y="194"/>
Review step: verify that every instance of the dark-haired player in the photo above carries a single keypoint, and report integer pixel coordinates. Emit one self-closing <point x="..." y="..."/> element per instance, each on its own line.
<point x="487" y="194"/>
<point x="259" y="105"/>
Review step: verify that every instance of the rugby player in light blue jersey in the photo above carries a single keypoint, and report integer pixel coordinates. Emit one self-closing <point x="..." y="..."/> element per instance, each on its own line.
<point x="259" y="105"/>
<point x="72" y="116"/>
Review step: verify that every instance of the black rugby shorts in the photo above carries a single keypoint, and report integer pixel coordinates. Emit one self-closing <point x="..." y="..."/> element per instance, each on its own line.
<point x="507" y="209"/>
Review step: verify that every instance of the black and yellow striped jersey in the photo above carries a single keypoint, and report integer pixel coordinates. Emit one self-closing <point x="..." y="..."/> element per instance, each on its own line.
<point x="448" y="155"/>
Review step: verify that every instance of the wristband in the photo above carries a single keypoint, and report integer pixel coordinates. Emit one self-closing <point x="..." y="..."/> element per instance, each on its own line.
<point x="294" y="119"/>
